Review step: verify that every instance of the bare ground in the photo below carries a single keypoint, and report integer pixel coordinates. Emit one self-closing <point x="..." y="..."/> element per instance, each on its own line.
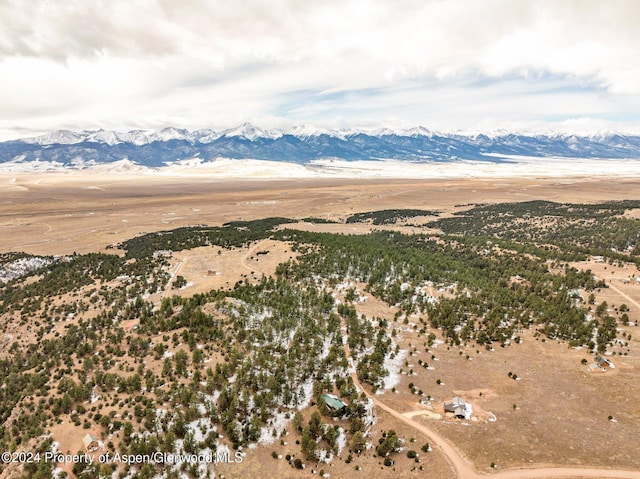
<point x="59" y="214"/>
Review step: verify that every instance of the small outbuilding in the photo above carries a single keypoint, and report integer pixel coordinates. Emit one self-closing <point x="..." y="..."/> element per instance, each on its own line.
<point x="90" y="442"/>
<point x="459" y="407"/>
<point x="603" y="363"/>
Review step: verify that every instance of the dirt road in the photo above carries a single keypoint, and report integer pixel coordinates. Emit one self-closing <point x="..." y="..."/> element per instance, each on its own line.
<point x="169" y="286"/>
<point x="562" y="472"/>
<point x="621" y="293"/>
<point x="250" y="252"/>
<point x="462" y="468"/>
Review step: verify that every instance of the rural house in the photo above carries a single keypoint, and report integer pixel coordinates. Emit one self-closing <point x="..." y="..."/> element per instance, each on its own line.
<point x="603" y="363"/>
<point x="90" y="442"/>
<point x="459" y="407"/>
<point x="333" y="402"/>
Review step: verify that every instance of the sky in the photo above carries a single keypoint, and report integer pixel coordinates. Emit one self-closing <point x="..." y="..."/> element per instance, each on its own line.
<point x="449" y="65"/>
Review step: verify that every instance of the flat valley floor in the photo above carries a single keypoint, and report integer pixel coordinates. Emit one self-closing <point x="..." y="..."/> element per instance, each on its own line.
<point x="60" y="213"/>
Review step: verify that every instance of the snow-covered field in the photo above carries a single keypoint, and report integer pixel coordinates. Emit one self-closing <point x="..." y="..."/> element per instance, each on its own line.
<point x="514" y="166"/>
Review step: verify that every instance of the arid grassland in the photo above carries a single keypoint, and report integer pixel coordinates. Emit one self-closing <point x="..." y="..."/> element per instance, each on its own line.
<point x="319" y="326"/>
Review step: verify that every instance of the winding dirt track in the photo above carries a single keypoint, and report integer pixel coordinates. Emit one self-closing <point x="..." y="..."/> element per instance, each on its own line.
<point x="462" y="468"/>
<point x="250" y="252"/>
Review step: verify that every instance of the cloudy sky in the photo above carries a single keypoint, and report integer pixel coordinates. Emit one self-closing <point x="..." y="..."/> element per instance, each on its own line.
<point x="446" y="64"/>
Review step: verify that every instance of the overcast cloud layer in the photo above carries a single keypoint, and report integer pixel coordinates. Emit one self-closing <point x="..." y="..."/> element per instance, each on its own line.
<point x="448" y="65"/>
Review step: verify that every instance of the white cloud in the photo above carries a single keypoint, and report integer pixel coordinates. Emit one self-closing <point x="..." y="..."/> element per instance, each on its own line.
<point x="121" y="64"/>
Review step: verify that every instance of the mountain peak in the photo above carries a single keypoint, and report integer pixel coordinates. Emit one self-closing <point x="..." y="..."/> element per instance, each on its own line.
<point x="380" y="132"/>
<point x="304" y="131"/>
<point x="250" y="132"/>
<point x="60" y="137"/>
<point x="109" y="137"/>
<point x="171" y="133"/>
<point x="419" y="131"/>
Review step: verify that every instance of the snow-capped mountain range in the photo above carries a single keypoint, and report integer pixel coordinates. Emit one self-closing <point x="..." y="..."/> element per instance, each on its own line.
<point x="303" y="144"/>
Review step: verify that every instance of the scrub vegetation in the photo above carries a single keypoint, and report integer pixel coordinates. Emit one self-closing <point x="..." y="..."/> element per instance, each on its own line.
<point x="109" y="352"/>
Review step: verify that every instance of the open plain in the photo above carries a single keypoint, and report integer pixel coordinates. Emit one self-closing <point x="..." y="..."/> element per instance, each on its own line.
<point x="59" y="213"/>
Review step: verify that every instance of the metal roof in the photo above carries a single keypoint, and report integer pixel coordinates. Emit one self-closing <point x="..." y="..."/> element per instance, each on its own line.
<point x="333" y="402"/>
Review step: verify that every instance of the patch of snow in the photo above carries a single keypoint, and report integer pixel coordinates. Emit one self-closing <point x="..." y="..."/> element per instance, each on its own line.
<point x="369" y="418"/>
<point x="22" y="266"/>
<point x="121" y="166"/>
<point x="393" y="366"/>
<point x="324" y="456"/>
<point x="341" y="442"/>
<point x="279" y="423"/>
<point x="326" y="347"/>
<point x="58" y="473"/>
<point x="200" y="428"/>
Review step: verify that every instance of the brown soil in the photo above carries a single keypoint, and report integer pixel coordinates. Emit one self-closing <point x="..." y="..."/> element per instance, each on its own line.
<point x="57" y="213"/>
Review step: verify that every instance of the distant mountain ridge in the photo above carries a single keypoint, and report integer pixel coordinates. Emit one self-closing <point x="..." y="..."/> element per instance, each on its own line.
<point x="303" y="144"/>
